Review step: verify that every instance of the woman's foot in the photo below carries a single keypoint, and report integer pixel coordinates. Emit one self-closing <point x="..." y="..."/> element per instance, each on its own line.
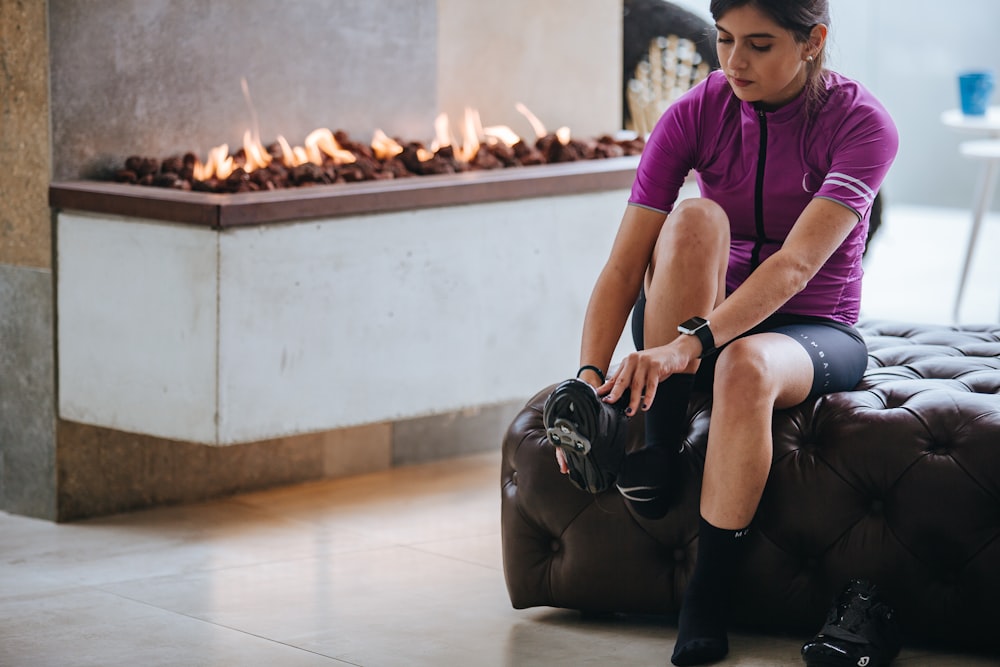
<point x="701" y="636"/>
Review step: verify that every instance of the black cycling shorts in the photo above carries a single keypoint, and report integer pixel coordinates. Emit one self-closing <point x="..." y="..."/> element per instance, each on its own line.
<point x="838" y="352"/>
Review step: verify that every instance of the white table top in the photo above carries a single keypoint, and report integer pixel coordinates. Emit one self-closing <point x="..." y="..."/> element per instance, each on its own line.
<point x="988" y="149"/>
<point x="990" y="123"/>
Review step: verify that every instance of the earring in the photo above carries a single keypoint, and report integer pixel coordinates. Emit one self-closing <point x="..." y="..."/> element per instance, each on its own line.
<point x="809" y="59"/>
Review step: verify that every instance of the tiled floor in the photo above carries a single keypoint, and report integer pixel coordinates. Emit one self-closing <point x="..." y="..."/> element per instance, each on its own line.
<point x="396" y="568"/>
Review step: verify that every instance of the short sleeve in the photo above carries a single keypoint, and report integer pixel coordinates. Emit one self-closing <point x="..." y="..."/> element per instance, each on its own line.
<point x="863" y="148"/>
<point x="669" y="154"/>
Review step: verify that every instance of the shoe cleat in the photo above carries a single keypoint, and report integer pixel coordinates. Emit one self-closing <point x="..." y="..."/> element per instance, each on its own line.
<point x="563" y="433"/>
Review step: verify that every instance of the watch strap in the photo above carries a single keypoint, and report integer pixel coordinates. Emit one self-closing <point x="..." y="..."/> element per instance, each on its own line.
<point x="699" y="327"/>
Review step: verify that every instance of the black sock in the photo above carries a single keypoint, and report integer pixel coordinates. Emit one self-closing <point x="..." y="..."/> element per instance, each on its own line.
<point x="647" y="478"/>
<point x="666" y="419"/>
<point x="702" y="635"/>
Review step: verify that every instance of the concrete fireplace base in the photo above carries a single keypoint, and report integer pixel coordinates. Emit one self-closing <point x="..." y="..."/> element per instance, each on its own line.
<point x="105" y="471"/>
<point x="251" y="347"/>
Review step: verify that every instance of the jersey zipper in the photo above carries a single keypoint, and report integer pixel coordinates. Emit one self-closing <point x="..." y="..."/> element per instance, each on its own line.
<point x="759" y="193"/>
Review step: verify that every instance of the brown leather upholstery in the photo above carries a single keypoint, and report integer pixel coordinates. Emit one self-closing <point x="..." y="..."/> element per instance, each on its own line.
<point x="897" y="481"/>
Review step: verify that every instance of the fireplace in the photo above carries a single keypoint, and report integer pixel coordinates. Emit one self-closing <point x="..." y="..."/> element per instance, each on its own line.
<point x="225" y="319"/>
<point x="221" y="319"/>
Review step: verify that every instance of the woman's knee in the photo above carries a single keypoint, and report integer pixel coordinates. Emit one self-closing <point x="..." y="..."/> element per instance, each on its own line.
<point x="698" y="216"/>
<point x="695" y="223"/>
<point x="745" y="369"/>
<point x="766" y="368"/>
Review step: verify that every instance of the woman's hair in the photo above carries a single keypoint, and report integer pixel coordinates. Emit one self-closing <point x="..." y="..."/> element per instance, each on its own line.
<point x="798" y="17"/>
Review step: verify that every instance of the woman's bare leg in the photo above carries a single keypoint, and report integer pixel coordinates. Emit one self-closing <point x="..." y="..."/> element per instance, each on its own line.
<point x="685" y="278"/>
<point x="687" y="273"/>
<point x="753" y="376"/>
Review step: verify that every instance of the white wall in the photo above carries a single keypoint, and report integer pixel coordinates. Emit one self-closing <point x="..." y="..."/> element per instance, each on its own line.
<point x="561" y="58"/>
<point x="909" y="53"/>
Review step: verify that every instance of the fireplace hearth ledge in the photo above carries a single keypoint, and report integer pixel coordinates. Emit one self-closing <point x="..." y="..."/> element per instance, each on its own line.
<point x="322" y="201"/>
<point x="368" y="304"/>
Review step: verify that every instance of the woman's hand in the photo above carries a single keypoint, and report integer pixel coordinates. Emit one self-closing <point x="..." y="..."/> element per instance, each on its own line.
<point x="641" y="372"/>
<point x="561" y="460"/>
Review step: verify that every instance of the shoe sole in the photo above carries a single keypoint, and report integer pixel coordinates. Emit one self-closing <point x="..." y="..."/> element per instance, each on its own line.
<point x="828" y="654"/>
<point x="843" y="662"/>
<point x="571" y="417"/>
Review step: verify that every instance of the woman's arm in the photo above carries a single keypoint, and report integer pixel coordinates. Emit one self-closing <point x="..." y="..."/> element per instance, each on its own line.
<point x="821" y="228"/>
<point x="618" y="287"/>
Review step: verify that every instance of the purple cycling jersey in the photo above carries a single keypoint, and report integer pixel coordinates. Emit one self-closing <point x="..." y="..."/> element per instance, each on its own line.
<point x="841" y="152"/>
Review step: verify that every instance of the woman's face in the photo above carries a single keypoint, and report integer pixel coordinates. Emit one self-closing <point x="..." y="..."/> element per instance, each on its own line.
<point x="762" y="60"/>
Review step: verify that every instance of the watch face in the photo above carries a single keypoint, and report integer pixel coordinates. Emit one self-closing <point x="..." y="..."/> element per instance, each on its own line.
<point x="698" y="326"/>
<point x="692" y="325"/>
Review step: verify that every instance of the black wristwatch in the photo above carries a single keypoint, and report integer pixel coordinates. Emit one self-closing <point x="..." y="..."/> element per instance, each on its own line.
<point x="698" y="326"/>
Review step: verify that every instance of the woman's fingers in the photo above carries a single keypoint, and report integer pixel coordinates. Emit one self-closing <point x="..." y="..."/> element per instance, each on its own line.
<point x="631" y="375"/>
<point x="617" y="382"/>
<point x="640" y="373"/>
<point x="561" y="459"/>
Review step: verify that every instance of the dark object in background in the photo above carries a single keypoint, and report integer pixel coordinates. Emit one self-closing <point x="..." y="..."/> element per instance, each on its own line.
<point x="645" y="21"/>
<point x="875" y="221"/>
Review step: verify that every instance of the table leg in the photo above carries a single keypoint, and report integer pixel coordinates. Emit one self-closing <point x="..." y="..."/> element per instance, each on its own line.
<point x="982" y="203"/>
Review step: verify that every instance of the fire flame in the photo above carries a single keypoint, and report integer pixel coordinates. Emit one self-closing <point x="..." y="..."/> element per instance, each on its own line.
<point x="321" y="144"/>
<point x="384" y="146"/>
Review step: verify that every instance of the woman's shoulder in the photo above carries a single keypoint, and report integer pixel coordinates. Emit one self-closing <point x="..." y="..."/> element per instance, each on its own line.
<point x="852" y="118"/>
<point x="848" y="104"/>
<point x="845" y="94"/>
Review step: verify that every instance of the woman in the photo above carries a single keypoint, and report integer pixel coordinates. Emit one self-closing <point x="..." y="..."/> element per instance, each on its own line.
<point x="752" y="289"/>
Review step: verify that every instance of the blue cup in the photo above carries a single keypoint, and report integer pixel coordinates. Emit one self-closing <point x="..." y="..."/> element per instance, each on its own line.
<point x="975" y="89"/>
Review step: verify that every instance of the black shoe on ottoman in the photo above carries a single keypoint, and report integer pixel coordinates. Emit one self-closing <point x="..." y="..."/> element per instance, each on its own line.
<point x="860" y="631"/>
<point x="590" y="432"/>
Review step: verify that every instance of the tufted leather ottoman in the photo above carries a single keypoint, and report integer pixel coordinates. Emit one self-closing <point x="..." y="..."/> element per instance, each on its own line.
<point x="897" y="481"/>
